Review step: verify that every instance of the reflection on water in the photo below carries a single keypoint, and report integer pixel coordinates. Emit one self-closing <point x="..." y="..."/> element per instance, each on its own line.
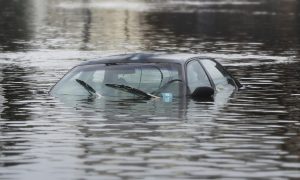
<point x="251" y="134"/>
<point x="15" y="31"/>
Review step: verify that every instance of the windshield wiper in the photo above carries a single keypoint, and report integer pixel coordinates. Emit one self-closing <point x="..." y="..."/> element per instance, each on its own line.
<point x="87" y="87"/>
<point x="132" y="90"/>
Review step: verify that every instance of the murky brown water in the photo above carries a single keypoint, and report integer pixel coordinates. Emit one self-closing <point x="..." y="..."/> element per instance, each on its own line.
<point x="253" y="134"/>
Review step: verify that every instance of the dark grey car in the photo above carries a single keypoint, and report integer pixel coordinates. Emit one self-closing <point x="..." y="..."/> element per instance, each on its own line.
<point x="145" y="75"/>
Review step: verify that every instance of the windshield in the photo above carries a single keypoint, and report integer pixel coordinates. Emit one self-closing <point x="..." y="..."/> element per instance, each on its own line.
<point x="149" y="78"/>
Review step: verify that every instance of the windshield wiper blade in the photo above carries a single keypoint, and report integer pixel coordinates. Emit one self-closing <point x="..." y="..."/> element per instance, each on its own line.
<point x="87" y="87"/>
<point x="132" y="90"/>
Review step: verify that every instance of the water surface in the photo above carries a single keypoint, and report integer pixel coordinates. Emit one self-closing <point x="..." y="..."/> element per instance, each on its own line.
<point x="251" y="134"/>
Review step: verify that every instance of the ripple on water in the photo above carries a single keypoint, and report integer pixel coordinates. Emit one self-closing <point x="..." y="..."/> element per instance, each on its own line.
<point x="251" y="134"/>
<point x="43" y="134"/>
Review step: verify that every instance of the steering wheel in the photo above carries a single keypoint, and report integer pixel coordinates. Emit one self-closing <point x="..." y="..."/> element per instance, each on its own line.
<point x="167" y="84"/>
<point x="171" y="81"/>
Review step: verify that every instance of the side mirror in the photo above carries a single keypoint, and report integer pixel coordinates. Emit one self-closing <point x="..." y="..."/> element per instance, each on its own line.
<point x="203" y="93"/>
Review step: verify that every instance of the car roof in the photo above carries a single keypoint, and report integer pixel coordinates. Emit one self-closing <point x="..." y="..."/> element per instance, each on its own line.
<point x="143" y="58"/>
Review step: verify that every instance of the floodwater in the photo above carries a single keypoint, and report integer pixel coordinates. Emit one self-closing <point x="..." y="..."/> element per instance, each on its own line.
<point x="251" y="134"/>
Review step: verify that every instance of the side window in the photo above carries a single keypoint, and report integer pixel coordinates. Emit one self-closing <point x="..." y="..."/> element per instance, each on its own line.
<point x="196" y="76"/>
<point x="217" y="73"/>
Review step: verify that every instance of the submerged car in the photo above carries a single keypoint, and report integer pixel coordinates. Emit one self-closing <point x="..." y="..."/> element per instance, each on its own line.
<point x="147" y="76"/>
